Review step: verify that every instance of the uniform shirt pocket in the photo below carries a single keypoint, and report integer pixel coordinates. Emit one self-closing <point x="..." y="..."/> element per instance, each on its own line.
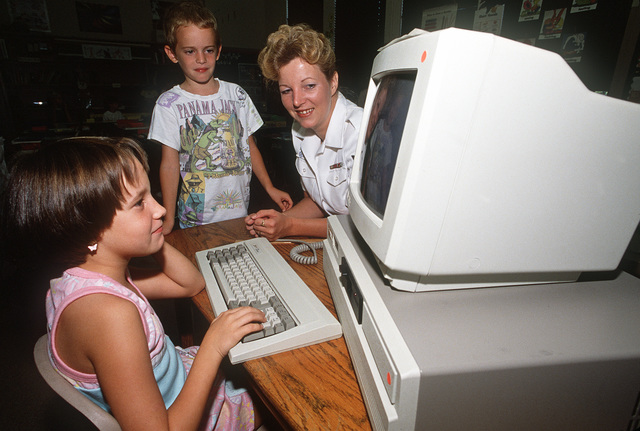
<point x="304" y="170"/>
<point x="337" y="175"/>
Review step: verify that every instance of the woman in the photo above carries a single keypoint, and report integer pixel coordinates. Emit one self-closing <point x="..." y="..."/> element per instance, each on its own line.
<point x="324" y="133"/>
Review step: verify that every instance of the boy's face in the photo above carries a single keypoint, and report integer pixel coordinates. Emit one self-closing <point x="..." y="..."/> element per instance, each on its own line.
<point x="196" y="52"/>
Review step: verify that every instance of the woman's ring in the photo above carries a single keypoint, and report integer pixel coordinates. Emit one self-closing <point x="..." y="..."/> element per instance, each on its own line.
<point x="262" y="224"/>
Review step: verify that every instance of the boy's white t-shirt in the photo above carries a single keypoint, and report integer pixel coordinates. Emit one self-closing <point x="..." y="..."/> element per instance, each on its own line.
<point x="211" y="135"/>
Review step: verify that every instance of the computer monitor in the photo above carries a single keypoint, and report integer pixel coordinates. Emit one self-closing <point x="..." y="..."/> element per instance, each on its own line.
<point x="486" y="162"/>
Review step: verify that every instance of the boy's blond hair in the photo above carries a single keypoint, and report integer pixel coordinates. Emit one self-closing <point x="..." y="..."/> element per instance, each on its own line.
<point x="188" y="13"/>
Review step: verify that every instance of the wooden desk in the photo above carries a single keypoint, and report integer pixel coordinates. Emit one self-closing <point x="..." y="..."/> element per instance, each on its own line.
<point x="312" y="387"/>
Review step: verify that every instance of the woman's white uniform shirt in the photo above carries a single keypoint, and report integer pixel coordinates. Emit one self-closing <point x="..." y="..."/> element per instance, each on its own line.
<point x="325" y="167"/>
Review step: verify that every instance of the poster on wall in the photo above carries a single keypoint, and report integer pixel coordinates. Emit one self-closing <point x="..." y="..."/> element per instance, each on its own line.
<point x="99" y="18"/>
<point x="573" y="46"/>
<point x="158" y="7"/>
<point x="30" y="13"/>
<point x="553" y="23"/>
<point x="438" y="18"/>
<point x="489" y="21"/>
<point x="528" y="41"/>
<point x="530" y="10"/>
<point x="583" y="5"/>
<point x="106" y="52"/>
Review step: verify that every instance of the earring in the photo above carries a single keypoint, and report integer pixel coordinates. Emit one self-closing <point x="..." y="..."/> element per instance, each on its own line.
<point x="93" y="248"/>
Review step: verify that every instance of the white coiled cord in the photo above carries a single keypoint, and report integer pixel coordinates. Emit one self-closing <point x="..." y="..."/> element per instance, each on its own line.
<point x="296" y="252"/>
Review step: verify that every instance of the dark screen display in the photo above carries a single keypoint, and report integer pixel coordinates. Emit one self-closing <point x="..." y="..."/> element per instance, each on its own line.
<point x="382" y="141"/>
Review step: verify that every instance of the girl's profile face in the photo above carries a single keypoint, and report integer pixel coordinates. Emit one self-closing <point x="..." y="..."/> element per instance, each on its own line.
<point x="136" y="229"/>
<point x="307" y="94"/>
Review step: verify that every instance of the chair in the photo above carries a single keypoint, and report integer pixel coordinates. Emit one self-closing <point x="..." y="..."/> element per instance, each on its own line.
<point x="100" y="418"/>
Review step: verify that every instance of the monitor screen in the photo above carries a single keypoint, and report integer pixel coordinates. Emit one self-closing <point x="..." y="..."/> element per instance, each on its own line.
<point x="383" y="136"/>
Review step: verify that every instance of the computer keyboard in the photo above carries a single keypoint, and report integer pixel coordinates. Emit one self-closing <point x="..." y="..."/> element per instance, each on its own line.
<point x="252" y="272"/>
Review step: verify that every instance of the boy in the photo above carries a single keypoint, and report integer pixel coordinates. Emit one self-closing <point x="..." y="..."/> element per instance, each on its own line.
<point x="205" y="126"/>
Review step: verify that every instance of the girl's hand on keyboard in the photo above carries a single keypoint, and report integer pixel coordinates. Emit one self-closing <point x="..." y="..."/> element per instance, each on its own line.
<point x="230" y="327"/>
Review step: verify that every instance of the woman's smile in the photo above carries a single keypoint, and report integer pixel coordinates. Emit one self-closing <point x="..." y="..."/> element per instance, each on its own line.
<point x="305" y="112"/>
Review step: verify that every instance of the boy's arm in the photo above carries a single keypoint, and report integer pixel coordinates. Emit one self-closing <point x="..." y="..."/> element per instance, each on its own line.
<point x="169" y="179"/>
<point x="278" y="196"/>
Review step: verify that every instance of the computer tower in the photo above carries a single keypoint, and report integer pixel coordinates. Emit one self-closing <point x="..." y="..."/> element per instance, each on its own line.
<point x="540" y="357"/>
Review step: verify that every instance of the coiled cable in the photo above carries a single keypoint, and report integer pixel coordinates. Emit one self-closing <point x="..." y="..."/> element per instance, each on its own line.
<point x="296" y="252"/>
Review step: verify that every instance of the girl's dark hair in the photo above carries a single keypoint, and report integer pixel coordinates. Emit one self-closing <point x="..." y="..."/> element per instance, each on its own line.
<point x="61" y="198"/>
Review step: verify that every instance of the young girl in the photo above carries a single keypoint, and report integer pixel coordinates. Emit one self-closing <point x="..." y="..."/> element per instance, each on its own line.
<point x="85" y="205"/>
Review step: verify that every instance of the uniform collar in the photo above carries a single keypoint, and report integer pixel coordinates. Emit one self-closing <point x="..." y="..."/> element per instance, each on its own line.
<point x="333" y="138"/>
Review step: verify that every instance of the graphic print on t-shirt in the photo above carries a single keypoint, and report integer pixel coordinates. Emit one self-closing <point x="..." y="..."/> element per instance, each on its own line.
<point x="213" y="147"/>
<point x="211" y="151"/>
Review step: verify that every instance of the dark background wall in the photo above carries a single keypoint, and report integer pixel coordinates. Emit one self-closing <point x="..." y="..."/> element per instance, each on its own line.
<point x="604" y="28"/>
<point x="37" y="66"/>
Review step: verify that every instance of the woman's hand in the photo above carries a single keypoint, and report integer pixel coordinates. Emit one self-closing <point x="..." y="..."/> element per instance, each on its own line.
<point x="267" y="223"/>
<point x="230" y="327"/>
<point x="281" y="198"/>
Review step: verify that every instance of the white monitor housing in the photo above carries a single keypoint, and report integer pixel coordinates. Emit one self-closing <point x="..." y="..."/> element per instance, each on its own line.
<point x="487" y="162"/>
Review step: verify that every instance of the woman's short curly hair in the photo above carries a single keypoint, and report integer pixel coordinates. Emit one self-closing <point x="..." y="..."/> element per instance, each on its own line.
<point x="298" y="41"/>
